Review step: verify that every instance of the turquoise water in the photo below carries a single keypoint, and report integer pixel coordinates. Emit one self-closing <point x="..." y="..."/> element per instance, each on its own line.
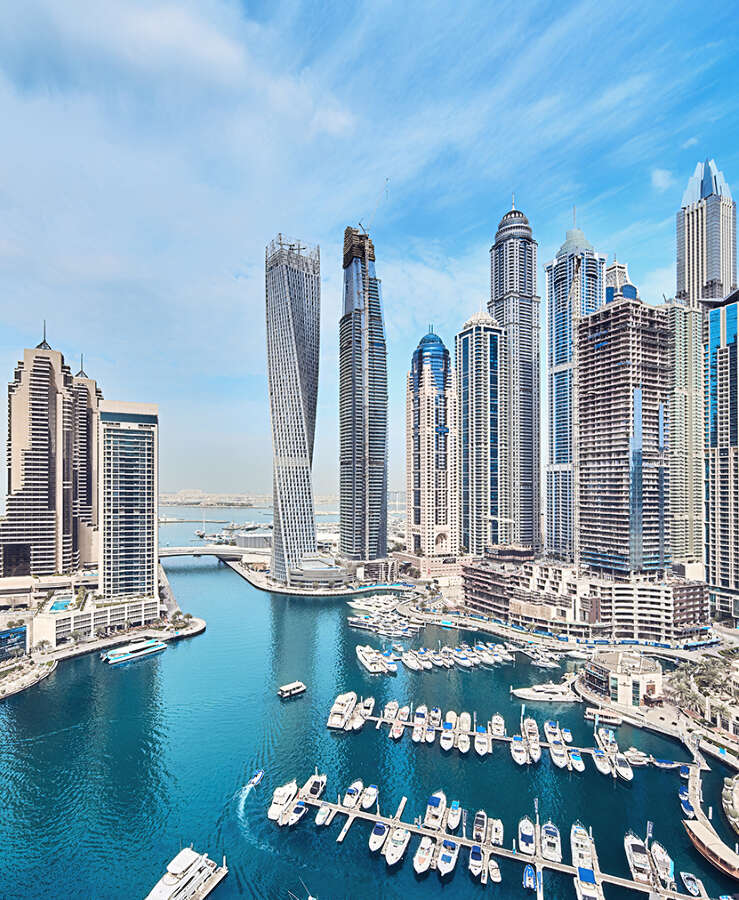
<point x="106" y="771"/>
<point x="59" y="605"/>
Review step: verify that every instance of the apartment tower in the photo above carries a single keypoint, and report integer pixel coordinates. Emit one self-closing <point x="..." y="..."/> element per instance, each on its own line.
<point x="363" y="402"/>
<point x="515" y="306"/>
<point x="432" y="490"/>
<point x="293" y="301"/>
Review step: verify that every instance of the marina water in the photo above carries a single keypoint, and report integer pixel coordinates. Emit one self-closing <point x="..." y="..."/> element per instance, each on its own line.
<point x="106" y="771"/>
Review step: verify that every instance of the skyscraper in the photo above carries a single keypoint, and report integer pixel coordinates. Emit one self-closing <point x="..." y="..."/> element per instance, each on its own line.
<point x="129" y="499"/>
<point x="432" y="490"/>
<point x="722" y="458"/>
<point x="51" y="461"/>
<point x="481" y="367"/>
<point x="622" y="420"/>
<point x="576" y="262"/>
<point x="706" y="237"/>
<point x="516" y="307"/>
<point x="293" y="299"/>
<point x="362" y="406"/>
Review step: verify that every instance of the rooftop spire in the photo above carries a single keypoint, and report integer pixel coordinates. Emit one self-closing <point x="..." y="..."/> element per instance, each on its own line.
<point x="81" y="373"/>
<point x="513" y="200"/>
<point x="43" y="345"/>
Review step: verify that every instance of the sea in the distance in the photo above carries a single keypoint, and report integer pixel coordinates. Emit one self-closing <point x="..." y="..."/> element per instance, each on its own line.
<point x="105" y="772"/>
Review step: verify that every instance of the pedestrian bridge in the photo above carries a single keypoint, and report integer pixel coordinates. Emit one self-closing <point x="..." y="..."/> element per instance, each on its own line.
<point x="222" y="551"/>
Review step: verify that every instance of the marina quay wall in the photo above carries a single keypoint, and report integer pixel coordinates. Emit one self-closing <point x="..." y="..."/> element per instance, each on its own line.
<point x="57" y="627"/>
<point x="556" y="596"/>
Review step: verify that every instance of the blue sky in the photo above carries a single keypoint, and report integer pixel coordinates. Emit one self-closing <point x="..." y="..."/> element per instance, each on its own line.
<point x="150" y="150"/>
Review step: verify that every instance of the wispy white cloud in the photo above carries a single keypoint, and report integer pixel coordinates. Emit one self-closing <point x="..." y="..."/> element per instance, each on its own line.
<point x="691" y="142"/>
<point x="662" y="179"/>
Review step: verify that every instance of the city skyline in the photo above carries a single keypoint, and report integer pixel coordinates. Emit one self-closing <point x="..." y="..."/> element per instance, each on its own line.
<point x="159" y="239"/>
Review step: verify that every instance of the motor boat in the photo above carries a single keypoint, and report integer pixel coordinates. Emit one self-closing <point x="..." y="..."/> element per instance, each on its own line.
<point x="281" y="799"/>
<point x="314" y="787"/>
<point x="435" y="716"/>
<point x="390" y="711"/>
<point x="410" y="661"/>
<point x="446" y="741"/>
<point x="581" y="847"/>
<point x="663" y="865"/>
<point x="497" y="726"/>
<point x="693" y="885"/>
<point x="368" y="706"/>
<point x="396" y="845"/>
<point x="391" y="663"/>
<point x="298" y="811"/>
<point x="551" y="843"/>
<point x="465" y="722"/>
<point x="370" y="659"/>
<point x="558" y="753"/>
<point x="482" y="741"/>
<point x="526" y="842"/>
<point x="377" y="836"/>
<point x="369" y="797"/>
<point x="551" y="730"/>
<point x="324" y="811"/>
<point x="479" y="826"/>
<point x="462" y="660"/>
<point x="578" y="763"/>
<point x="430" y="734"/>
<point x="475" y="861"/>
<point x="256" y="778"/>
<point x="403" y="713"/>
<point x="447" y="857"/>
<point x="494" y="870"/>
<point x="495" y="832"/>
<point x="531" y="733"/>
<point x="463" y="742"/>
<point x="352" y="795"/>
<point x="638" y="859"/>
<point x="602" y="763"/>
<point x="451" y="716"/>
<point x="636" y="757"/>
<point x="423" y="855"/>
<point x="417" y="735"/>
<point x="529" y="877"/>
<point x="342" y="710"/>
<point x="623" y="768"/>
<point x="437" y="659"/>
<point x="435" y="809"/>
<point x="397" y="730"/>
<point x="455" y="814"/>
<point x="566" y="735"/>
<point x="518" y="750"/>
<point x="424" y="658"/>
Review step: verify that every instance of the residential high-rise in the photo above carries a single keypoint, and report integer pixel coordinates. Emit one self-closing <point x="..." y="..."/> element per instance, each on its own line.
<point x="516" y="307"/>
<point x="706" y="237"/>
<point x="50" y="526"/>
<point x="576" y="262"/>
<point x="432" y="489"/>
<point x="622" y="421"/>
<point x="293" y="303"/>
<point x="128" y="501"/>
<point x="481" y="368"/>
<point x="363" y="401"/>
<point x="722" y="458"/>
<point x="685" y="322"/>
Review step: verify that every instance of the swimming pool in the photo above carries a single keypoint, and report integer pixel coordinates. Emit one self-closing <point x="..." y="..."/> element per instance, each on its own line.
<point x="59" y="605"/>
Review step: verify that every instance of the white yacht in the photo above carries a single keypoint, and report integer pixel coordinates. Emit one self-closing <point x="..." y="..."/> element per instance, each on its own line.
<point x="342" y="710"/>
<point x="497" y="726"/>
<point x="638" y="859"/>
<point x="566" y="735"/>
<point x="281" y="799"/>
<point x="370" y="659"/>
<point x="558" y="753"/>
<point x="424" y="658"/>
<point x="480" y="826"/>
<point x="437" y="659"/>
<point x="396" y="845"/>
<point x="623" y="767"/>
<point x="404" y="713"/>
<point x="455" y="814"/>
<point x="369" y="796"/>
<point x="663" y="865"/>
<point x="430" y="734"/>
<point x="297" y="812"/>
<point x="578" y="763"/>
<point x="397" y="730"/>
<point x="464" y="725"/>
<point x="495" y="832"/>
<point x="526" y="842"/>
<point x="410" y="661"/>
<point x="435" y="810"/>
<point x="518" y="750"/>
<point x="461" y="659"/>
<point x="531" y="733"/>
<point x="482" y="741"/>
<point x="465" y="722"/>
<point x="390" y="711"/>
<point x="423" y="855"/>
<point x="186" y="876"/>
<point x="377" y="836"/>
<point x="448" y="855"/>
<point x="324" y="811"/>
<point x="551" y="730"/>
<point x="494" y="870"/>
<point x="586" y="887"/>
<point x="475" y="862"/>
<point x="551" y="843"/>
<point x="446" y="741"/>
<point x="602" y="763"/>
<point x="314" y="786"/>
<point x="435" y="716"/>
<point x="352" y="795"/>
<point x="463" y="742"/>
<point x="133" y="651"/>
<point x="368" y="706"/>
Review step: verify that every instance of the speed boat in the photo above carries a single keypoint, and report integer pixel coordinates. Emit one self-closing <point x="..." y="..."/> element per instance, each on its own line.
<point x="281" y="799"/>
<point x="256" y="778"/>
<point x="623" y="767"/>
<point x="497" y="726"/>
<point x="578" y="763"/>
<point x="396" y="845"/>
<point x="298" y="811"/>
<point x="324" y="811"/>
<point x="482" y="741"/>
<point x="423" y="855"/>
<point x="352" y="795"/>
<point x="446" y="741"/>
<point x="566" y="735"/>
<point x="529" y="877"/>
<point x="551" y="843"/>
<point x="663" y="865"/>
<point x="430" y="734"/>
<point x="369" y="796"/>
<point x="518" y="750"/>
<point x="602" y="763"/>
<point x="480" y="826"/>
<point x="455" y="814"/>
<point x="378" y="836"/>
<point x="447" y="857"/>
<point x="494" y="870"/>
<point x="495" y="832"/>
<point x="475" y="862"/>
<point x="526" y="843"/>
<point x="692" y="884"/>
<point x="638" y="859"/>
<point x="435" y="809"/>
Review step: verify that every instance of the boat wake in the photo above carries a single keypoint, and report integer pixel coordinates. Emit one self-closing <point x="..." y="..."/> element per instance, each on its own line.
<point x="241" y="796"/>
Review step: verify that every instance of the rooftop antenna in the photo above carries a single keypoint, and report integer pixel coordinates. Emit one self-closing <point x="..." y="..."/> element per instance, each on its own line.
<point x="44" y="330"/>
<point x="574" y="216"/>
<point x="513" y="200"/>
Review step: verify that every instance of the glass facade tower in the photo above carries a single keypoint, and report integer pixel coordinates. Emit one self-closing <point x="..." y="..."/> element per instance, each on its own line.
<point x="293" y="298"/>
<point x="363" y="401"/>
